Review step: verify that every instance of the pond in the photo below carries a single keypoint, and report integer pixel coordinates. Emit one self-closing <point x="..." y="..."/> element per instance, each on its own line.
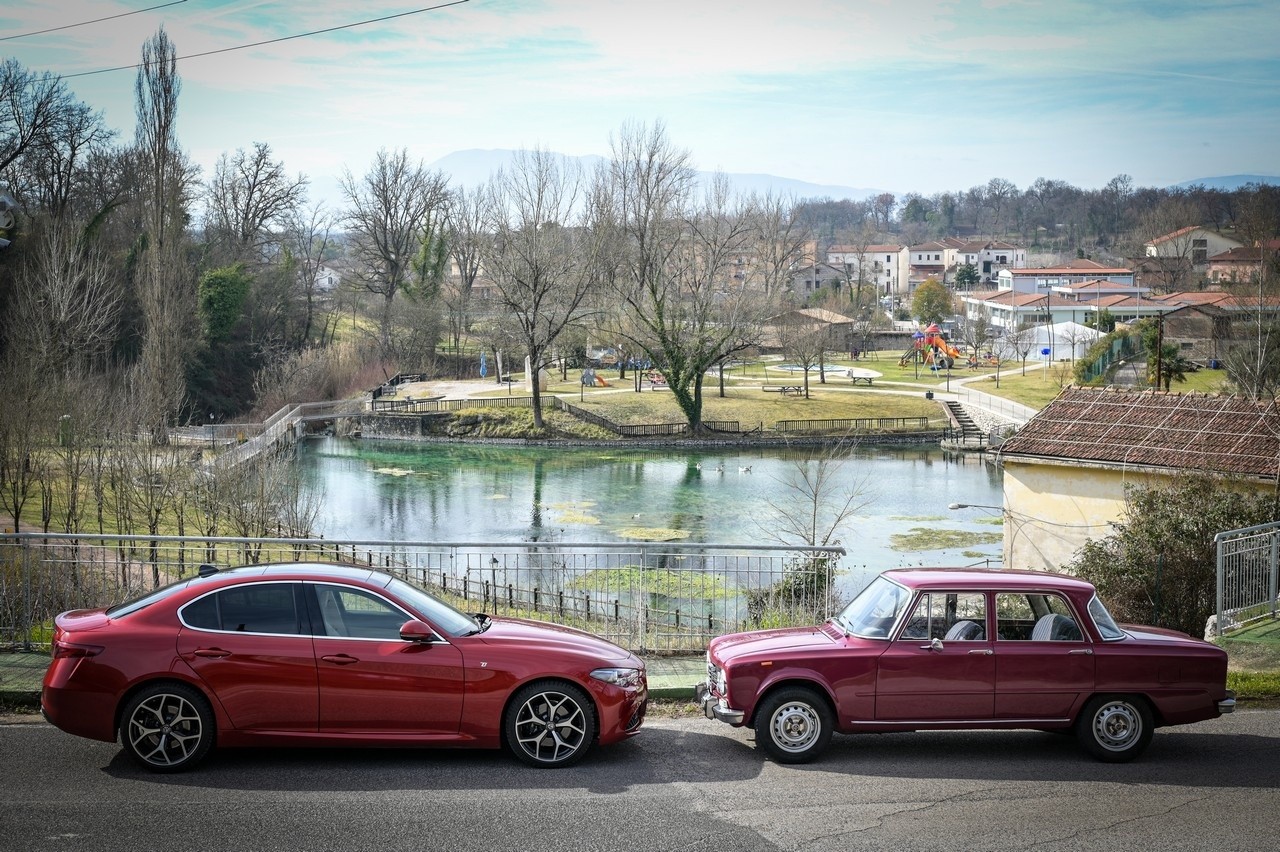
<point x="402" y="491"/>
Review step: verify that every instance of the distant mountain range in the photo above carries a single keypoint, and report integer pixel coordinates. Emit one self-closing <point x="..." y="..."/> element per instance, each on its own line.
<point x="475" y="166"/>
<point x="1228" y="182"/>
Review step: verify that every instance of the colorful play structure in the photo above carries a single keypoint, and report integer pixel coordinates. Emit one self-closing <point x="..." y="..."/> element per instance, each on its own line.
<point x="591" y="378"/>
<point x="930" y="347"/>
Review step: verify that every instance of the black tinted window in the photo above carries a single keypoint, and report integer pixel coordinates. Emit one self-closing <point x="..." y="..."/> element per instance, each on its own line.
<point x="254" y="608"/>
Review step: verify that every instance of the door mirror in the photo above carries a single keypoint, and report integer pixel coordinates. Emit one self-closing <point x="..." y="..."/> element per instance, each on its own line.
<point x="417" y="631"/>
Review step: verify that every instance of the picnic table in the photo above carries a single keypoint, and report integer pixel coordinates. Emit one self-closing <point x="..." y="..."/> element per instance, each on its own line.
<point x="859" y="376"/>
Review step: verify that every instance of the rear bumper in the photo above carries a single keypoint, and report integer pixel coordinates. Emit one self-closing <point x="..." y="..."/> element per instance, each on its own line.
<point x="714" y="709"/>
<point x="1228" y="704"/>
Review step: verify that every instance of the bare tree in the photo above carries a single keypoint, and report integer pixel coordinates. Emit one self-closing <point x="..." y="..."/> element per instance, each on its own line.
<point x="466" y="239"/>
<point x="1171" y="223"/>
<point x="538" y="260"/>
<point x="166" y="285"/>
<point x="308" y="237"/>
<point x="386" y="212"/>
<point x="974" y="331"/>
<point x="805" y="342"/>
<point x="66" y="305"/>
<point x="672" y="263"/>
<point x="248" y="199"/>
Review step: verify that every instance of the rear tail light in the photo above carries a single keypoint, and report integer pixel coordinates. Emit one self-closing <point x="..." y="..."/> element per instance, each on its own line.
<point x="69" y="650"/>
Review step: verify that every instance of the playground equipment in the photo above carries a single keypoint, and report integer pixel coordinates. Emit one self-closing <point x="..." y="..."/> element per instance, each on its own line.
<point x="931" y="348"/>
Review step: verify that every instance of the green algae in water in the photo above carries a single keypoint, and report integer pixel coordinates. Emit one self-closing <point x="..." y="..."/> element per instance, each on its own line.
<point x="651" y="533"/>
<point x="570" y="517"/>
<point x="926" y="538"/>
<point x="668" y="584"/>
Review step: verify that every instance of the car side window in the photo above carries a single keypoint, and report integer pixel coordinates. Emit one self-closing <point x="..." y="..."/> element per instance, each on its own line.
<point x="1035" y="618"/>
<point x="358" y="614"/>
<point x="950" y="616"/>
<point x="251" y="608"/>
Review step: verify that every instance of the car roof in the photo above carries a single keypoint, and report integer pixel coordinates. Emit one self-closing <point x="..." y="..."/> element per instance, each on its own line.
<point x="986" y="578"/>
<point x="306" y="570"/>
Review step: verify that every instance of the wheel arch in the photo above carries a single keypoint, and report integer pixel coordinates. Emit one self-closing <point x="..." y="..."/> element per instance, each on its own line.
<point x="168" y="677"/>
<point x="810" y="682"/>
<point x="547" y="679"/>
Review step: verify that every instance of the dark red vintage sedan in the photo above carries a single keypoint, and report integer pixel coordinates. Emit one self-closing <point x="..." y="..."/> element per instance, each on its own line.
<point x="932" y="649"/>
<point x="316" y="655"/>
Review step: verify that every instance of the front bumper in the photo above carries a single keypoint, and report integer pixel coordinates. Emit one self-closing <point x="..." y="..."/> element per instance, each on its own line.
<point x="713" y="708"/>
<point x="1228" y="704"/>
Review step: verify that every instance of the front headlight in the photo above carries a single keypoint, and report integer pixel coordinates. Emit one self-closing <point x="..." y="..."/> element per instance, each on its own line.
<point x="619" y="677"/>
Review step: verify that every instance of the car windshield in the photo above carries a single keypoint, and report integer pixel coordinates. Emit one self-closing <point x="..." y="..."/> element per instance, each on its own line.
<point x="872" y="613"/>
<point x="439" y="613"/>
<point x="1105" y="623"/>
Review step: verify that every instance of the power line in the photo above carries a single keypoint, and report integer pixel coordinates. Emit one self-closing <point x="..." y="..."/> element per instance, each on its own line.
<point x="94" y="21"/>
<point x="277" y="40"/>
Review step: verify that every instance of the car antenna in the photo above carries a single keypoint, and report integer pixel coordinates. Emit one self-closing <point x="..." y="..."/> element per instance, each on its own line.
<point x="207" y="570"/>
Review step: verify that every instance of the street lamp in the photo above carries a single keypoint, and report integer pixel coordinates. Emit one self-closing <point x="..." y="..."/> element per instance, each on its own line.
<point x="1006" y="518"/>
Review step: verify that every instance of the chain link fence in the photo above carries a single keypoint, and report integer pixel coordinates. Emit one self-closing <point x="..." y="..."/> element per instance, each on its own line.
<point x="648" y="597"/>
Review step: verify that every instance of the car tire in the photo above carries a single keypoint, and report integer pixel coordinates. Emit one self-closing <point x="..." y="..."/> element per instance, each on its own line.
<point x="794" y="724"/>
<point x="1115" y="728"/>
<point x="167" y="727"/>
<point x="550" y="725"/>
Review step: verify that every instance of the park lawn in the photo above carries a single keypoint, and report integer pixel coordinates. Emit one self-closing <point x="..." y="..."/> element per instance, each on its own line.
<point x="1036" y="389"/>
<point x="749" y="406"/>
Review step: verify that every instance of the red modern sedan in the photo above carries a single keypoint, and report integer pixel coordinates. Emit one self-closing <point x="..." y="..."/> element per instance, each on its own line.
<point x="315" y="655"/>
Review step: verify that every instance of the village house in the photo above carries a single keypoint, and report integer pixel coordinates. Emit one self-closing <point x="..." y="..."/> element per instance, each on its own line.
<point x="1066" y="469"/>
<point x="882" y="266"/>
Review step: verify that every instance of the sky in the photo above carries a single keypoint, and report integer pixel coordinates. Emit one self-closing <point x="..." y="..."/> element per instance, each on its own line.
<point x="896" y="95"/>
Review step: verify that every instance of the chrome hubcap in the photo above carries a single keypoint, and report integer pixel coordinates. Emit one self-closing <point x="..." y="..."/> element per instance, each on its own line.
<point x="1117" y="726"/>
<point x="795" y="727"/>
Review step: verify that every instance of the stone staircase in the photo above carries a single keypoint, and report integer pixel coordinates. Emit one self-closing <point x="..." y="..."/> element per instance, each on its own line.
<point x="967" y="435"/>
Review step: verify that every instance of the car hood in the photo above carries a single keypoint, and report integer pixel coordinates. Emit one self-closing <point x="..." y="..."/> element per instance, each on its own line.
<point x="1158" y="634"/>
<point x="772" y="641"/>
<point x="554" y="637"/>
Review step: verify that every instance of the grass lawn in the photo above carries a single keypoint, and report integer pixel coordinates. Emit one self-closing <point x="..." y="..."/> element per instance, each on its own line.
<point x="749" y="406"/>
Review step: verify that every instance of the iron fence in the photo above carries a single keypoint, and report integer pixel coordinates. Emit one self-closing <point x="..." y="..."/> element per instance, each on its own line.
<point x="1248" y="575"/>
<point x="648" y="597"/>
<point x="854" y="424"/>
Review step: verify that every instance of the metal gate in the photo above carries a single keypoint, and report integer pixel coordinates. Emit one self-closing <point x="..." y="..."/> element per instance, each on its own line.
<point x="1247" y="575"/>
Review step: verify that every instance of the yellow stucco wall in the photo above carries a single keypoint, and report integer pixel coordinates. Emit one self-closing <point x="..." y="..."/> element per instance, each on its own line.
<point x="1051" y="510"/>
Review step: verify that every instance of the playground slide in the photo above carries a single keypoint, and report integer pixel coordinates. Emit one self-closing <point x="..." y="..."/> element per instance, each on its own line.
<point x="946" y="347"/>
<point x="907" y="356"/>
<point x="600" y="382"/>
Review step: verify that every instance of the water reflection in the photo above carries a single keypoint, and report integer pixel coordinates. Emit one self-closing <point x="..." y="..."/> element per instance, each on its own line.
<point x="479" y="493"/>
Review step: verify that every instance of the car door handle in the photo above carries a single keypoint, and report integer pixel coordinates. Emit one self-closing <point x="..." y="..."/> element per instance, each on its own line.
<point x="211" y="652"/>
<point x="340" y="659"/>
<point x="985" y="651"/>
<point x="1081" y="651"/>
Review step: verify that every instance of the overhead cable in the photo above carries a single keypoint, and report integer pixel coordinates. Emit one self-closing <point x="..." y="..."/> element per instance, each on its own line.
<point x="275" y="40"/>
<point x="94" y="21"/>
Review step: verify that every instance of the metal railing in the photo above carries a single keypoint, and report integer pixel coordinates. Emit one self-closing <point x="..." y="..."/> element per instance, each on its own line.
<point x="1006" y="408"/>
<point x="648" y="597"/>
<point x="853" y="424"/>
<point x="1248" y="573"/>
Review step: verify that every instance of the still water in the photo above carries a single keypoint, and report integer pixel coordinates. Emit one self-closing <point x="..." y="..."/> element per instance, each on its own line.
<point x="475" y="493"/>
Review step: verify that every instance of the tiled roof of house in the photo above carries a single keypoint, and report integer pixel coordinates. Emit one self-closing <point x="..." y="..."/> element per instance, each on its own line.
<point x="1181" y="232"/>
<point x="1218" y="433"/>
<point x="1239" y="254"/>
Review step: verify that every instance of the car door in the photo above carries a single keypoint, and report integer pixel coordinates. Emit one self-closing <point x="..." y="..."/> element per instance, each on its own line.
<point x="1044" y="661"/>
<point x="371" y="680"/>
<point x="251" y="646"/>
<point x="940" y="667"/>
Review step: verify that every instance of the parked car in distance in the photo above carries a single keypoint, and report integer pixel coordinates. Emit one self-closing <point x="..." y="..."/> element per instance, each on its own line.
<point x="316" y="655"/>
<point x="934" y="649"/>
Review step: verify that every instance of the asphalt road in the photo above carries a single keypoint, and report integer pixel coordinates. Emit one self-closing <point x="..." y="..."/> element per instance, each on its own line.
<point x="685" y="784"/>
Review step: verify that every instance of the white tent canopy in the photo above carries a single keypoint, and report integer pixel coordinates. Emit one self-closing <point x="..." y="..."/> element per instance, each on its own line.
<point x="1064" y="340"/>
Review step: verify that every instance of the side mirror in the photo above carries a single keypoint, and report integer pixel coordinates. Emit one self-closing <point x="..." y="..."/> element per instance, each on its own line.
<point x="416" y="631"/>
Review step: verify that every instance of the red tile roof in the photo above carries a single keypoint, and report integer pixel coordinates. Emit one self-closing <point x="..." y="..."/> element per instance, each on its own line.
<point x="1152" y="429"/>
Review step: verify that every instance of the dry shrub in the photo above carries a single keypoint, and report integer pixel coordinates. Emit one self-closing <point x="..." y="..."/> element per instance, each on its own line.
<point x="312" y="375"/>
